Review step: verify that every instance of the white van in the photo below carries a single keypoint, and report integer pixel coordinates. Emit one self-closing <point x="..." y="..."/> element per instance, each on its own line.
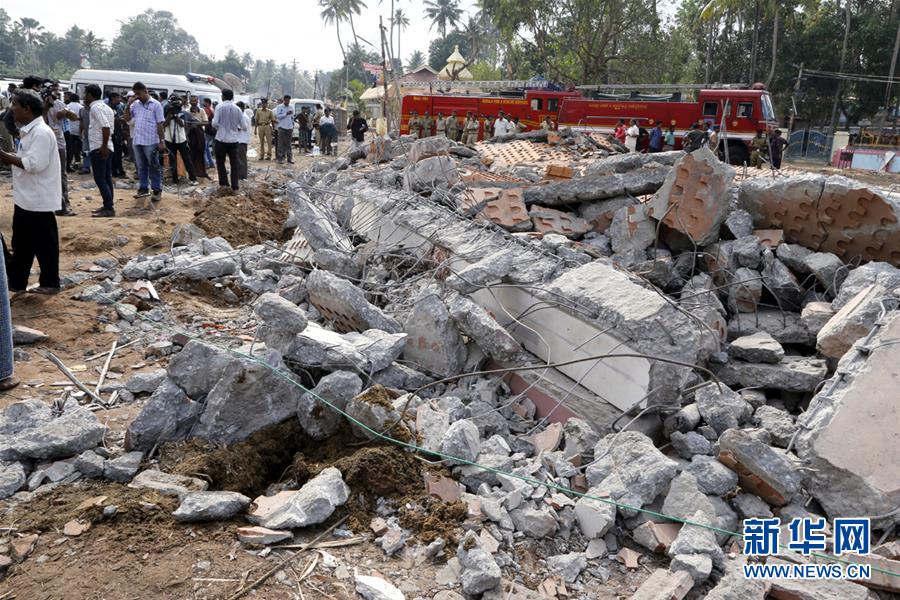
<point x="122" y="81"/>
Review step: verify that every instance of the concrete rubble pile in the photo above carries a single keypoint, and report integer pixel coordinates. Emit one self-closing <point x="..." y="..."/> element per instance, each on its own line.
<point x="751" y="349"/>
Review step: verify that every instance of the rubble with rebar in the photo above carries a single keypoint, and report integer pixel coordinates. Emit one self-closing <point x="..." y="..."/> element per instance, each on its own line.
<point x="615" y="357"/>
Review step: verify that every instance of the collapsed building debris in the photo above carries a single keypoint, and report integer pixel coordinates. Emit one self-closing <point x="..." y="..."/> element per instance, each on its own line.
<point x="605" y="357"/>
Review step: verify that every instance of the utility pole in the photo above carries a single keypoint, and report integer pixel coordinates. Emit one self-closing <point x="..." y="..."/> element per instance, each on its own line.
<point x="887" y="89"/>
<point x="838" y="88"/>
<point x="384" y="98"/>
<point x="794" y="102"/>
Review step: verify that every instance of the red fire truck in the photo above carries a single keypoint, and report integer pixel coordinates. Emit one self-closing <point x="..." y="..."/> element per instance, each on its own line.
<point x="740" y="112"/>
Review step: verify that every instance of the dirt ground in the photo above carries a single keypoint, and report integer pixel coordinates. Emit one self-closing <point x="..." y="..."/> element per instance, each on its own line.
<point x="141" y="553"/>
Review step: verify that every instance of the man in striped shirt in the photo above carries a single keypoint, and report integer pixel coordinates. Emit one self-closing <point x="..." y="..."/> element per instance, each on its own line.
<point x="148" y="140"/>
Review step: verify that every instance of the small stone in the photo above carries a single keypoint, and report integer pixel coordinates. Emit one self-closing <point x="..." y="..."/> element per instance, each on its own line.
<point x="568" y="566"/>
<point x="12" y="478"/>
<point x="751" y="506"/>
<point x="462" y="441"/>
<point x="145" y="383"/>
<point x="595" y="549"/>
<point x="712" y="476"/>
<point x="779" y="424"/>
<point x="721" y="407"/>
<point x="479" y="571"/>
<point x="310" y="505"/>
<point x="698" y="566"/>
<point x="376" y="588"/>
<point x="210" y="506"/>
<point x="534" y="522"/>
<point x="594" y="517"/>
<point x="124" y="468"/>
<point x="758" y="347"/>
<point x="689" y="444"/>
<point x="167" y="483"/>
<point x="23" y="336"/>
<point x="262" y="536"/>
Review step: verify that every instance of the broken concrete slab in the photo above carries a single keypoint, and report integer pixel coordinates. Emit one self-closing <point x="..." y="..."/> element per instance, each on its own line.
<point x="281" y="320"/>
<point x="793" y="373"/>
<point x="873" y="273"/>
<point x="36" y="434"/>
<point x="852" y="322"/>
<point x="476" y="323"/>
<point x="862" y="478"/>
<point x="599" y="213"/>
<point x="738" y="223"/>
<point x="631" y="229"/>
<point x="664" y="585"/>
<point x="630" y="469"/>
<point x="828" y="269"/>
<point x="169" y="484"/>
<point x="762" y="470"/>
<point x="745" y="291"/>
<point x="786" y="327"/>
<point x="712" y="476"/>
<point x="815" y="315"/>
<point x="583" y="189"/>
<point x="549" y="220"/>
<point x="169" y="414"/>
<point x="747" y="251"/>
<point x="694" y="199"/>
<point x="594" y="517"/>
<point x="198" y="367"/>
<point x="318" y="420"/>
<point x="12" y="478"/>
<point x="210" y="506"/>
<point x="831" y="214"/>
<point x="430" y="173"/>
<point x="759" y="347"/>
<point x="346" y="304"/>
<point x="262" y="536"/>
<point x="376" y="588"/>
<point x="310" y="505"/>
<point x="123" y="468"/>
<point x="434" y="342"/>
<point x="371" y="350"/>
<point x="435" y="145"/>
<point x="698" y="566"/>
<point x="721" y="407"/>
<point x="319" y="225"/>
<point x="781" y="282"/>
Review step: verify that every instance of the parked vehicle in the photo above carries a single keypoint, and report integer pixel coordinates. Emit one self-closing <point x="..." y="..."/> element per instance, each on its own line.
<point x="121" y="81"/>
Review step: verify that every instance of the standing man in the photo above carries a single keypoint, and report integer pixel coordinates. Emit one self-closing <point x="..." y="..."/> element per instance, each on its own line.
<point x="656" y="138"/>
<point x="177" y="139"/>
<point x="209" y="132"/>
<point x="470" y="129"/>
<point x="631" y="136"/>
<point x="37" y="195"/>
<point x="415" y="124"/>
<point x="304" y="126"/>
<point x="452" y="126"/>
<point x="148" y="138"/>
<point x="228" y="122"/>
<point x="118" y="139"/>
<point x="427" y="124"/>
<point x="440" y="125"/>
<point x="776" y="148"/>
<point x="73" y="154"/>
<point x="196" y="141"/>
<point x="486" y="127"/>
<point x="56" y="113"/>
<point x="100" y="132"/>
<point x="244" y="141"/>
<point x="758" y="147"/>
<point x="501" y="125"/>
<point x="262" y="127"/>
<point x="693" y="139"/>
<point x="284" y="115"/>
<point x="357" y="128"/>
<point x="547" y="124"/>
<point x="6" y="137"/>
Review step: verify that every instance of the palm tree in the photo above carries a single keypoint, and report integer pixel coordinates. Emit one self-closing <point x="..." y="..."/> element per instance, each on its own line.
<point x="416" y="59"/>
<point x="333" y="12"/>
<point x="443" y="13"/>
<point x="401" y="22"/>
<point x="30" y="29"/>
<point x="350" y="8"/>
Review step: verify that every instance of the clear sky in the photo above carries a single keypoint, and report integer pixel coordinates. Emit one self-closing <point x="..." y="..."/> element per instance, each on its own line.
<point x="283" y="31"/>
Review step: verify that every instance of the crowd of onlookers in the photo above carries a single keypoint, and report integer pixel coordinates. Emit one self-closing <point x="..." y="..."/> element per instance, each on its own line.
<point x="471" y="129"/>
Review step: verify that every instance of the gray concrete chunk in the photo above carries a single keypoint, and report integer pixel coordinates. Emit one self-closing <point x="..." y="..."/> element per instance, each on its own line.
<point x="757" y="347"/>
<point x="210" y="506"/>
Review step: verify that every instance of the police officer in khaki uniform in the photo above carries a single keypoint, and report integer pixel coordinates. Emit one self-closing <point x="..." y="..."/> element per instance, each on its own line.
<point x="415" y="124"/>
<point x="440" y="125"/>
<point x="427" y="124"/>
<point x="453" y="127"/>
<point x="262" y="120"/>
<point x="470" y="129"/>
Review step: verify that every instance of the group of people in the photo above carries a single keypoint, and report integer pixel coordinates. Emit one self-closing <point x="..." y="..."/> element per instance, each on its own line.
<point x="275" y="128"/>
<point x="638" y="139"/>
<point x="469" y="130"/>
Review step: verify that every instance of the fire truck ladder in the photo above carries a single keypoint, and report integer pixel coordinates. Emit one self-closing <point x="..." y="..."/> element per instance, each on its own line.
<point x="661" y="87"/>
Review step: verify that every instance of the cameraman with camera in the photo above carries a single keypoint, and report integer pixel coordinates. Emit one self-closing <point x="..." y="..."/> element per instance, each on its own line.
<point x="176" y="138"/>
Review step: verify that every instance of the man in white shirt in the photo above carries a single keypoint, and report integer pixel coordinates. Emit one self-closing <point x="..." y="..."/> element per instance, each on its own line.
<point x="244" y="140"/>
<point x="56" y="113"/>
<point x="73" y="156"/>
<point x="284" y="119"/>
<point x="228" y="121"/>
<point x="631" y="136"/>
<point x="100" y="127"/>
<point x="501" y="125"/>
<point x="37" y="194"/>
